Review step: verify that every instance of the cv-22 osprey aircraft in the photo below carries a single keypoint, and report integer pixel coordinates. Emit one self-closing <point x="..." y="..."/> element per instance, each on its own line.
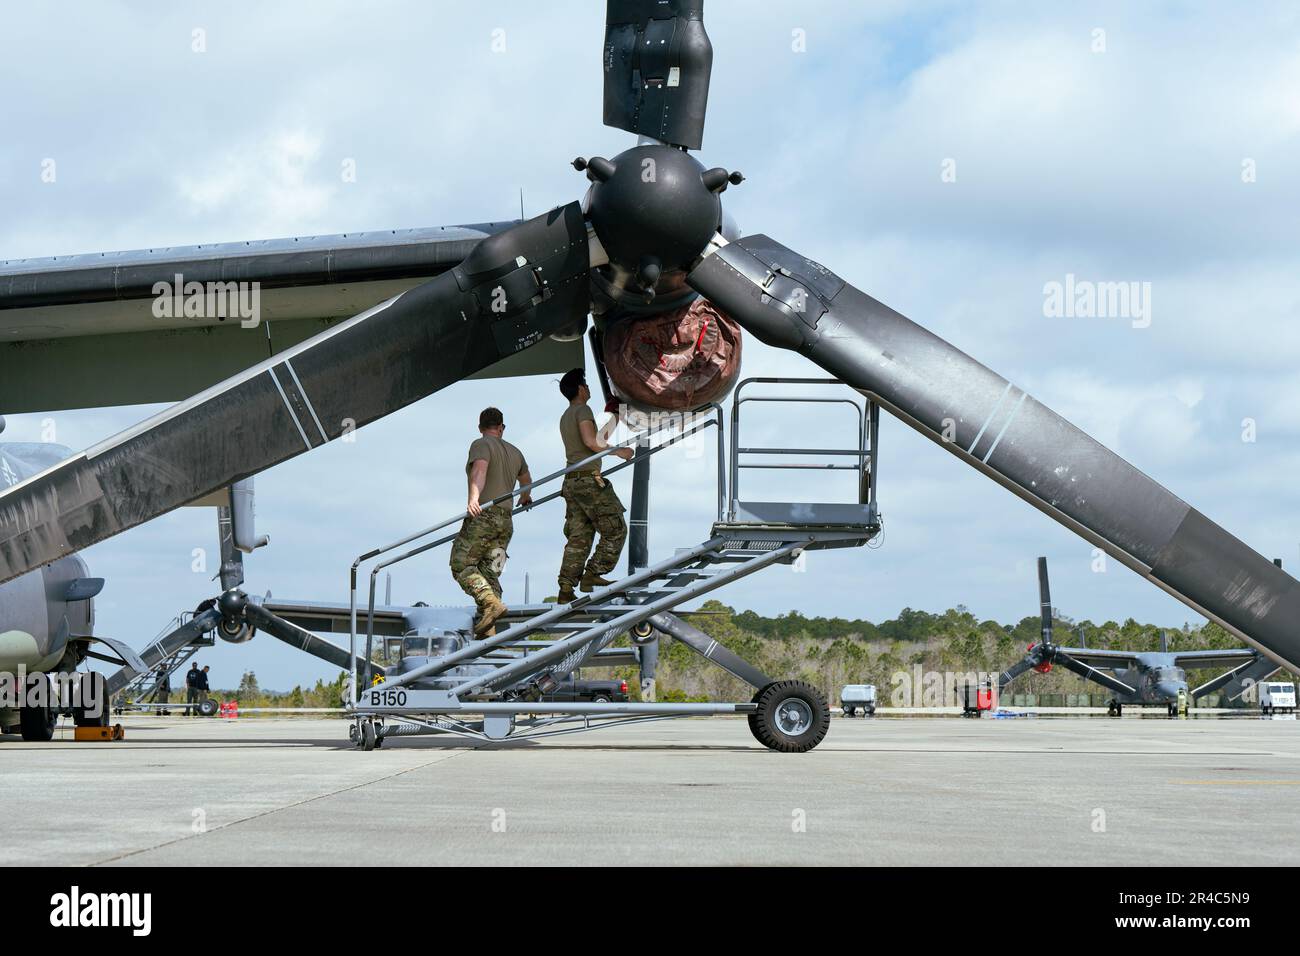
<point x="47" y="617"/>
<point x="362" y="325"/>
<point x="1139" y="678"/>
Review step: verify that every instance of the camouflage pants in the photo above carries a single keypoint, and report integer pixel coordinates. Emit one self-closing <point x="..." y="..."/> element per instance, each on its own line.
<point x="479" y="553"/>
<point x="591" y="508"/>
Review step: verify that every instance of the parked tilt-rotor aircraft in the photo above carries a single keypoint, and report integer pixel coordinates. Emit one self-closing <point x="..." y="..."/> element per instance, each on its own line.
<point x="430" y="307"/>
<point x="1141" y="678"/>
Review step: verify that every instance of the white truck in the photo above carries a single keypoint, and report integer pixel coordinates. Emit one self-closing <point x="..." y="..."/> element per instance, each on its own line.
<point x="1276" y="697"/>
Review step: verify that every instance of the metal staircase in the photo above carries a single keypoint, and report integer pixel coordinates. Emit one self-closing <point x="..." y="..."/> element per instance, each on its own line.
<point x="143" y="688"/>
<point x="491" y="687"/>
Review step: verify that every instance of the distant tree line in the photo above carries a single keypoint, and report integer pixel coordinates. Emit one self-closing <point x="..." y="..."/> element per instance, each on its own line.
<point x="832" y="652"/>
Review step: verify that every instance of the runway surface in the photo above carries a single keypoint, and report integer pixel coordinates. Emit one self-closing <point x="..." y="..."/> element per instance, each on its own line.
<point x="893" y="791"/>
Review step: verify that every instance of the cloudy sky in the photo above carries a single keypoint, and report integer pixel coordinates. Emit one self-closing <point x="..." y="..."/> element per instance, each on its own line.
<point x="951" y="159"/>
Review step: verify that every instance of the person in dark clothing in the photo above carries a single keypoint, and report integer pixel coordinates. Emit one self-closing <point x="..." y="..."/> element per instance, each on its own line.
<point x="163" y="689"/>
<point x="193" y="682"/>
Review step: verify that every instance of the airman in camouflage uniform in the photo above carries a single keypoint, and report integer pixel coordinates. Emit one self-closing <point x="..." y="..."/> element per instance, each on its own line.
<point x="592" y="506"/>
<point x="479" y="552"/>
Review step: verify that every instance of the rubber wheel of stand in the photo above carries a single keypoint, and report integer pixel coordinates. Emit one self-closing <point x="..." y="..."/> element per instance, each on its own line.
<point x="792" y="717"/>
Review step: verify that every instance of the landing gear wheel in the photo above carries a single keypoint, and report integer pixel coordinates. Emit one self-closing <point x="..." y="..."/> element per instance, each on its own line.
<point x="367" y="736"/>
<point x="792" y="717"/>
<point x="37" y="722"/>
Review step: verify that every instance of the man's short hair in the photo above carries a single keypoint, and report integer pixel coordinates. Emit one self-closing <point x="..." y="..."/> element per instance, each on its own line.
<point x="490" y="418"/>
<point x="573" y="380"/>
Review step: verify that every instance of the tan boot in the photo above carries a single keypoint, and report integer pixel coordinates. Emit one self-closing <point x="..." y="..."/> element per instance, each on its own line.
<point x="591" y="581"/>
<point x="492" y="609"/>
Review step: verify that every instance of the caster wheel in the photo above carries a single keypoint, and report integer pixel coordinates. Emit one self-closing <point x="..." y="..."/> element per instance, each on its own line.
<point x="367" y="736"/>
<point x="792" y="717"/>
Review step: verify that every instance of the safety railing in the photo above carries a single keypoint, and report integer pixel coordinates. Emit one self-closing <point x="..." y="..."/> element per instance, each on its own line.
<point x="868" y="427"/>
<point x="691" y="425"/>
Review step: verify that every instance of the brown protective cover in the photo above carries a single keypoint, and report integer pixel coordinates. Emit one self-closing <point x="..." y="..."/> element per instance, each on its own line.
<point x="675" y="360"/>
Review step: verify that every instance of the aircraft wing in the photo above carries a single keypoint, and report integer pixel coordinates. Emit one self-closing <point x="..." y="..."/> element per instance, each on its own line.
<point x="1223" y="657"/>
<point x="325" y="617"/>
<point x="112" y="328"/>
<point x="1101" y="658"/>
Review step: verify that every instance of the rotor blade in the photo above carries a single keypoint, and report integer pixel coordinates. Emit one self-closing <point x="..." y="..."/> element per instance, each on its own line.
<point x="302" y="639"/>
<point x="1045" y="600"/>
<point x="1092" y="674"/>
<point x="1015" y="670"/>
<point x="657" y="63"/>
<point x="513" y="290"/>
<point x="792" y="302"/>
<point x="1243" y="677"/>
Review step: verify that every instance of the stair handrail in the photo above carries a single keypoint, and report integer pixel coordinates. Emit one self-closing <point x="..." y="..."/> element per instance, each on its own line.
<point x="868" y="419"/>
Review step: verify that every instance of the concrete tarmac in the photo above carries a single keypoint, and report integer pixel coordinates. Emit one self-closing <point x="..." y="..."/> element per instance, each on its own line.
<point x="885" y="791"/>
